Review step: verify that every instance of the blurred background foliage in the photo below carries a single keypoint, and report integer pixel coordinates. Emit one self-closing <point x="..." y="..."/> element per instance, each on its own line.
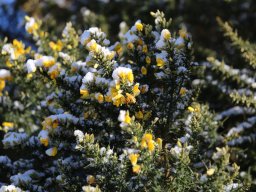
<point x="199" y="16"/>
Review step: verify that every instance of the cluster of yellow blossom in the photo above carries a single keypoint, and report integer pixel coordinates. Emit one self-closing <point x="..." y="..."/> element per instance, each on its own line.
<point x="14" y="50"/>
<point x="2" y="86"/>
<point x="134" y="158"/>
<point x="147" y="142"/>
<point x="56" y="46"/>
<point x="6" y="126"/>
<point x="123" y="90"/>
<point x="48" y="62"/>
<point x="124" y="118"/>
<point x="4" y="75"/>
<point x="44" y="137"/>
<point x="31" y="25"/>
<point x="49" y="123"/>
<point x="194" y="108"/>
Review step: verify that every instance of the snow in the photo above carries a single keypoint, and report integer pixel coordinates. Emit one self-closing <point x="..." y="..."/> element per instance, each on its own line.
<point x="79" y="135"/>
<point x="30" y="23"/>
<point x="4" y="74"/>
<point x="249" y="123"/>
<point x="10" y="188"/>
<point x="120" y="70"/>
<point x="121" y="116"/>
<point x="13" y="138"/>
<point x="89" y="77"/>
<point x="31" y="66"/>
<point x="25" y="178"/>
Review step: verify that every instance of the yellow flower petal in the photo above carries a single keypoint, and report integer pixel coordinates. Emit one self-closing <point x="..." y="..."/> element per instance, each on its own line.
<point x="139" y="26"/>
<point x="52" y="151"/>
<point x="210" y="171"/>
<point x="8" y="124"/>
<point x="143" y="70"/>
<point x="151" y="146"/>
<point x="191" y="109"/>
<point x="134" y="158"/>
<point x="136" y="169"/>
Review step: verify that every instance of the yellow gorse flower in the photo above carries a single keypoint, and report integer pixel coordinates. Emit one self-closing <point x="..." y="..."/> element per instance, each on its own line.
<point x="93" y="46"/>
<point x="130" y="45"/>
<point x="183" y="91"/>
<point x="143" y="144"/>
<point x="130" y="98"/>
<point x="48" y="63"/>
<point x="126" y="77"/>
<point x="8" y="124"/>
<point x="118" y="99"/>
<point x="191" y="109"/>
<point x="100" y="97"/>
<point x="9" y="64"/>
<point x="108" y="98"/>
<point x="148" y="60"/>
<point x="19" y="48"/>
<point x="135" y="139"/>
<point x="127" y="118"/>
<point x="151" y="146"/>
<point x="134" y="158"/>
<point x="56" y="46"/>
<point x="147" y="137"/>
<point x="166" y="34"/>
<point x="183" y="33"/>
<point x="159" y="141"/>
<point x="118" y="48"/>
<point x="52" y="151"/>
<point x="2" y="85"/>
<point x="90" y="179"/>
<point x="54" y="73"/>
<point x="84" y="93"/>
<point x="195" y="108"/>
<point x="139" y="26"/>
<point x="160" y="62"/>
<point x="136" y="169"/>
<point x="148" y="142"/>
<point x="31" y="25"/>
<point x="123" y="91"/>
<point x="139" y="115"/>
<point x="44" y="141"/>
<point x="136" y="90"/>
<point x="144" y="49"/>
<point x="144" y="70"/>
<point x="48" y="123"/>
<point x="210" y="171"/>
<point x="143" y="89"/>
<point x="29" y="75"/>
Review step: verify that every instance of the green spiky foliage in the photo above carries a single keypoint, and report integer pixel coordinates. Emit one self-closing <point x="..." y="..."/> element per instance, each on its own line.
<point x="20" y="97"/>
<point x="236" y="83"/>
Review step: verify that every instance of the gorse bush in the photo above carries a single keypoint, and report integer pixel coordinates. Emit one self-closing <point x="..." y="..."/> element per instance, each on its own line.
<point x="119" y="116"/>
